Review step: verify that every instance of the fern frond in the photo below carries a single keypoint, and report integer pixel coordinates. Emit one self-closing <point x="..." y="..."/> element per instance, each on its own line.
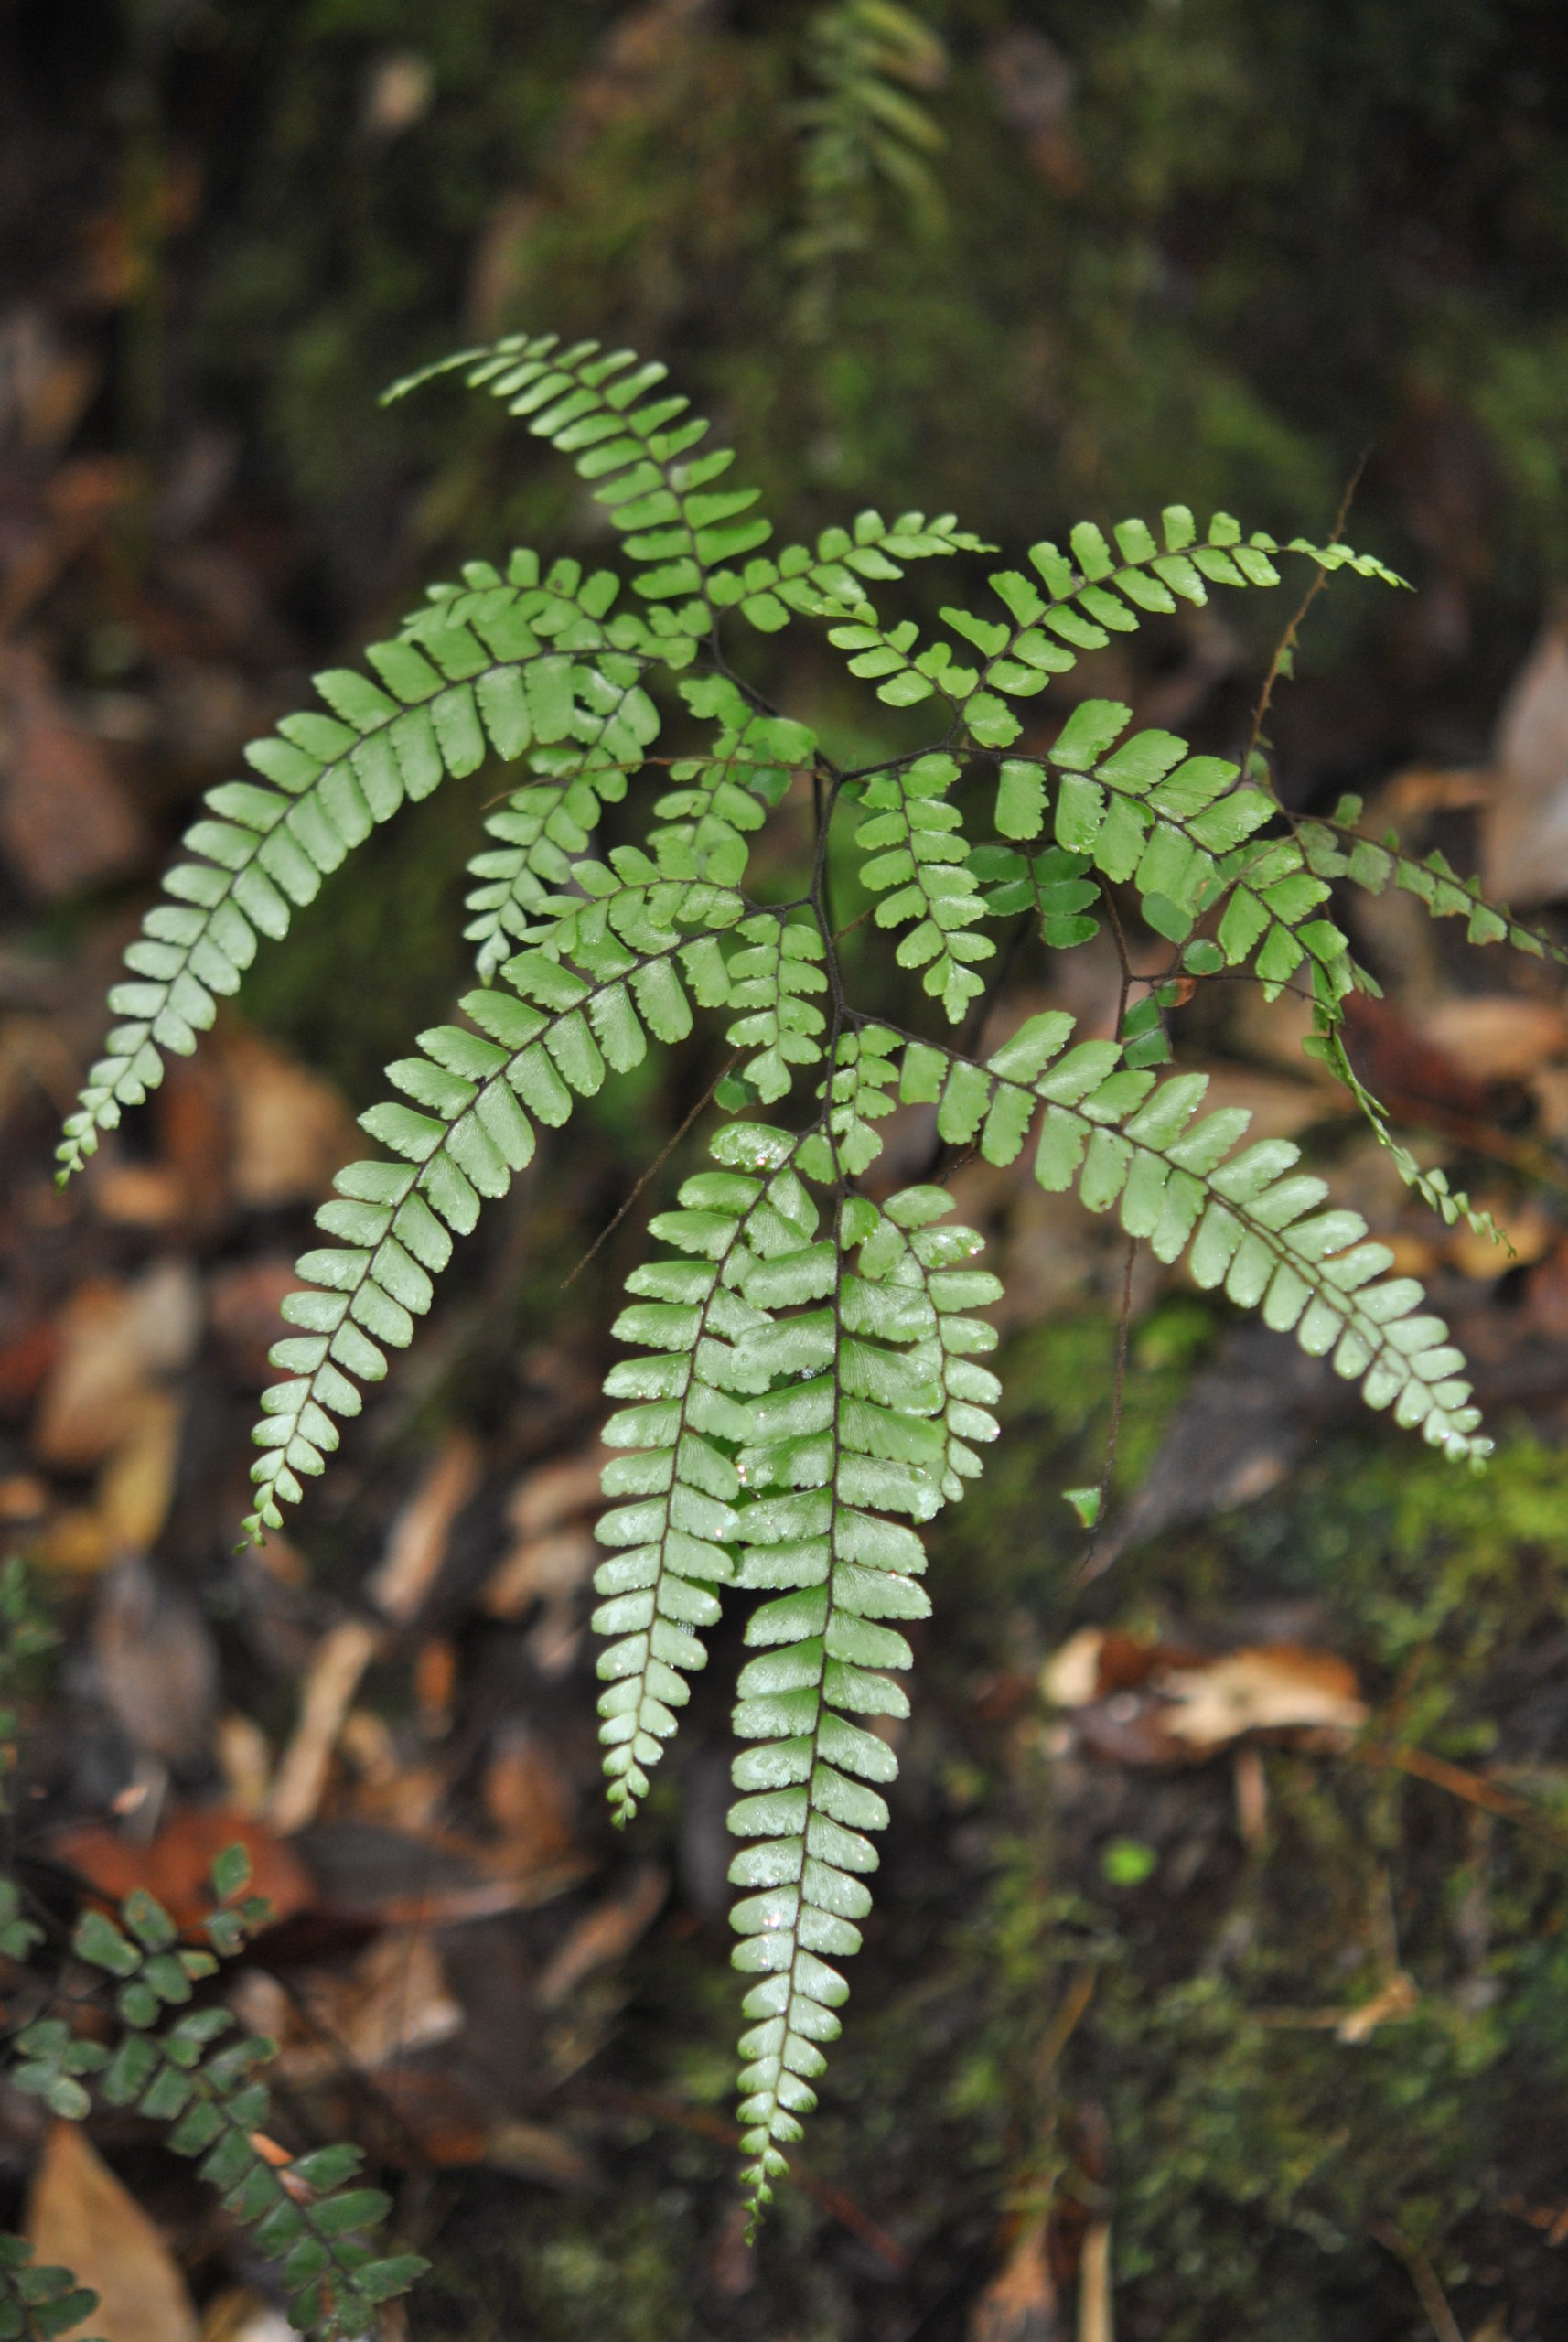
<point x="465" y="686"/>
<point x="682" y="1437"/>
<point x="868" y="57"/>
<point x="918" y="851"/>
<point x="1086" y="598"/>
<point x="477" y="1096"/>
<point x="626" y="435"/>
<point x="1251" y="1224"/>
<point x="1179" y="828"/>
<point x="1335" y="849"/>
<point x="849" y="1438"/>
<point x="39" y="2303"/>
<point x="780" y="963"/>
<point x="314" y="2230"/>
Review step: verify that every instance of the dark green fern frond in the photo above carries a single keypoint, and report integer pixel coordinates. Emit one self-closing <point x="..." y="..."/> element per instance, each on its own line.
<point x="39" y="2303"/>
<point x="314" y="2229"/>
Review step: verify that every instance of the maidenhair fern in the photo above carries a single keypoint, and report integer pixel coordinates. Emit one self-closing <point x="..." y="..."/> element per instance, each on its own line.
<point x="803" y="1387"/>
<point x="178" y="2061"/>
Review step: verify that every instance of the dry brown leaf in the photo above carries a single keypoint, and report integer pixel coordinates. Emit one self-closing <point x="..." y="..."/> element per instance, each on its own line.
<point x="528" y="1796"/>
<point x="291" y="1127"/>
<point x="176" y="1865"/>
<point x="245" y="1305"/>
<point x="341" y="1658"/>
<point x="66" y="822"/>
<point x="243" y="2316"/>
<point x="388" y="2003"/>
<point x="1497" y="1037"/>
<point x="1271" y="1687"/>
<point x="605" y="1934"/>
<point x="1019" y="2304"/>
<point x="1398" y="1998"/>
<point x="116" y="1340"/>
<point x="81" y="2217"/>
<point x="540" y="1569"/>
<point x="557" y="1493"/>
<point x="157" y="1663"/>
<point x="416" y="1543"/>
<point x="1531" y="1231"/>
<point x="135" y="1487"/>
<point x="1094" y="2311"/>
<point x="1524" y="828"/>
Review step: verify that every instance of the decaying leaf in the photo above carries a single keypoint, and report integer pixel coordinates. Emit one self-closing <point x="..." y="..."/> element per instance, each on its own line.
<point x="175" y="1865"/>
<point x="116" y="1340"/>
<point x="416" y="1545"/>
<point x="1524" y="828"/>
<point x="1020" y="2305"/>
<point x="1145" y="1702"/>
<point x="79" y="2217"/>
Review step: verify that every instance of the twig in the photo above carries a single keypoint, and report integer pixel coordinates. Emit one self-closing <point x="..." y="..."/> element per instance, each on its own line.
<point x="1424" y="2277"/>
<point x="1085" y="1571"/>
<point x="659" y="1160"/>
<point x="1287" y="640"/>
<point x="1460" y="1783"/>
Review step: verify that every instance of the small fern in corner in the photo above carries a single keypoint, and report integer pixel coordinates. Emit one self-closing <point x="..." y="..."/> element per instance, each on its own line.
<point x="805" y="1383"/>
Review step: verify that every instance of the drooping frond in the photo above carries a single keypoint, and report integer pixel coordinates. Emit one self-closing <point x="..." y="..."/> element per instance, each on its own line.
<point x="544" y="1041"/>
<point x="1335" y="850"/>
<point x="683" y="1436"/>
<point x="851" y="1441"/>
<point x="477" y="673"/>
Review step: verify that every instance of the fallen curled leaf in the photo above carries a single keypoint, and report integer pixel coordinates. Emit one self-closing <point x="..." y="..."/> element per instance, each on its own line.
<point x="80" y="2217"/>
<point x="341" y="1658"/>
<point x="384" y="2005"/>
<point x="291" y="1128"/>
<point x="156" y="1661"/>
<point x="66" y="822"/>
<point x="528" y="1796"/>
<point x="177" y="1863"/>
<point x="1271" y="1687"/>
<point x="1139" y="1701"/>
<point x="1495" y="1037"/>
<point x="1397" y="1997"/>
<point x="244" y="1304"/>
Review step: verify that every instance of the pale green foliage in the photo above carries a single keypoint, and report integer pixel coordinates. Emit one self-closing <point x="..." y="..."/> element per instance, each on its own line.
<point x="803" y="1389"/>
<point x="174" y="2061"/>
<point x="869" y="59"/>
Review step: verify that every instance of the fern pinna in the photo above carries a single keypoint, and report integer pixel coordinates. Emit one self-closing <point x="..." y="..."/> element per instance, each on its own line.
<point x="805" y="1386"/>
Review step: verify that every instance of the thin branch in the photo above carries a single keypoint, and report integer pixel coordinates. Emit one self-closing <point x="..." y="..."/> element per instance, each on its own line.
<point x="1087" y="1569"/>
<point x="1287" y="641"/>
<point x="659" y="1160"/>
<point x="1424" y="2277"/>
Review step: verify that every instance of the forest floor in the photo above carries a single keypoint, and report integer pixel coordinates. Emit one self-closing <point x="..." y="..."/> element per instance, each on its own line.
<point x="1219" y="1981"/>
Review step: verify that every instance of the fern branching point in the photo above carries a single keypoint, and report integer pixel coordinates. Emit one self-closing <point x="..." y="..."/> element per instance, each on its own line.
<point x="803" y="1387"/>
